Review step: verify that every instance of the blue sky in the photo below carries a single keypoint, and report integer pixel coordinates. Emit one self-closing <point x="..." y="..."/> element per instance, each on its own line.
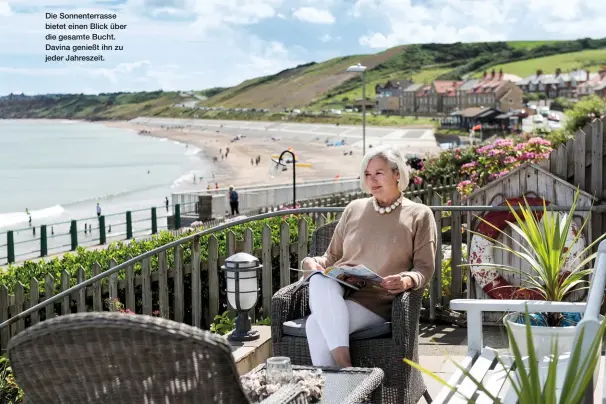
<point x="197" y="44"/>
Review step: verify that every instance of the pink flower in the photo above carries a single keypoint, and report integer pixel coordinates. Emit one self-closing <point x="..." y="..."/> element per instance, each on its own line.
<point x="417" y="180"/>
<point x="469" y="165"/>
<point x="509" y="160"/>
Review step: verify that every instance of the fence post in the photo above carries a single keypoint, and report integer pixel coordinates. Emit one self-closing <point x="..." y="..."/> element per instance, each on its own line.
<point x="154" y="221"/>
<point x="177" y="216"/>
<point x="129" y="225"/>
<point x="74" y="233"/>
<point x="43" y="241"/>
<point x="102" y="238"/>
<point x="10" y="246"/>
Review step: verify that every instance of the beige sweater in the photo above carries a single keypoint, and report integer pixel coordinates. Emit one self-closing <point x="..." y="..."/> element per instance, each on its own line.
<point x="403" y="241"/>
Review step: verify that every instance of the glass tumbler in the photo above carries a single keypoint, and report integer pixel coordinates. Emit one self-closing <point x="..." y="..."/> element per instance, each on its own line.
<point x="279" y="370"/>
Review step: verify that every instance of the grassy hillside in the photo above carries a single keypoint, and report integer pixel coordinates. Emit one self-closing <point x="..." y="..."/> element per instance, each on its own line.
<point x="319" y="86"/>
<point x="589" y="59"/>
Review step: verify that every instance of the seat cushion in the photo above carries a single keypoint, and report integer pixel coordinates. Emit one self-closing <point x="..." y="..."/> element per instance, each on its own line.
<point x="296" y="328"/>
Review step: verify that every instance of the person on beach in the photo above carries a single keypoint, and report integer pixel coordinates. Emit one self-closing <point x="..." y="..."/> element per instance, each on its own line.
<point x="98" y="210"/>
<point x="233" y="201"/>
<point x="388" y="233"/>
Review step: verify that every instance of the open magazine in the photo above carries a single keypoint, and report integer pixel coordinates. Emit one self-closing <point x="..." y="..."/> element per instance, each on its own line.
<point x="353" y="277"/>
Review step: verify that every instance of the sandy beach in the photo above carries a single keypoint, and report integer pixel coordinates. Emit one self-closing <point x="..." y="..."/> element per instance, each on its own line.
<point x="326" y="162"/>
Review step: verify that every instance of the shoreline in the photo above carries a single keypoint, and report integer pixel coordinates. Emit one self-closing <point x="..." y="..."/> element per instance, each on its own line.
<point x="236" y="169"/>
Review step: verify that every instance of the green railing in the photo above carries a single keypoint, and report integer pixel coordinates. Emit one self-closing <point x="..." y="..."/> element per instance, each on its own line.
<point x="54" y="238"/>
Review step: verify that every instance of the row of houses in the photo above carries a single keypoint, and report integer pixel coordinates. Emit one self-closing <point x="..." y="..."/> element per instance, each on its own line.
<point x="493" y="90"/>
<point x="574" y="84"/>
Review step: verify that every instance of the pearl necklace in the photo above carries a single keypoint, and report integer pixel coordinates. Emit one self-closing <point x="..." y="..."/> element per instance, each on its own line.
<point x="387" y="209"/>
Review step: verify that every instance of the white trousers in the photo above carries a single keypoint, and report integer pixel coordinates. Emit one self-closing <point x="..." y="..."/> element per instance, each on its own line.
<point x="332" y="319"/>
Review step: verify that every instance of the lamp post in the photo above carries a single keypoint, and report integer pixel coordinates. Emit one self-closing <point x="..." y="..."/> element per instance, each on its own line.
<point x="242" y="292"/>
<point x="361" y="69"/>
<point x="275" y="168"/>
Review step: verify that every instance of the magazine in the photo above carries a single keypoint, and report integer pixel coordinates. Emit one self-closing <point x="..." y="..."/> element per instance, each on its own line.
<point x="353" y="277"/>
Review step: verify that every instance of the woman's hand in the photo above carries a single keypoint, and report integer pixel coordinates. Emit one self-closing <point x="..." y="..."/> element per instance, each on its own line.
<point x="310" y="264"/>
<point x="397" y="283"/>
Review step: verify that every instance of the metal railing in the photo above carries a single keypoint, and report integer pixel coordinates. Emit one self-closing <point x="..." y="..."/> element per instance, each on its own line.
<point x="435" y="288"/>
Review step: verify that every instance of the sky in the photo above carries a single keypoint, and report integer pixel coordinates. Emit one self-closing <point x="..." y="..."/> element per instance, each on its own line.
<point x="197" y="44"/>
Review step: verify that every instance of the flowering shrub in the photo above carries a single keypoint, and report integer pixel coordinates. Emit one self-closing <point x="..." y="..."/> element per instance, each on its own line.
<point x="481" y="165"/>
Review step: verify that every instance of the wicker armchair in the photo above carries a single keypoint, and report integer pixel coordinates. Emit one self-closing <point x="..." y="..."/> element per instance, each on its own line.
<point x="120" y="358"/>
<point x="383" y="347"/>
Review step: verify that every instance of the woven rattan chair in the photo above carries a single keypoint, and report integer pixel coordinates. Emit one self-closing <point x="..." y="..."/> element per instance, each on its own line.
<point x="124" y="358"/>
<point x="384" y="346"/>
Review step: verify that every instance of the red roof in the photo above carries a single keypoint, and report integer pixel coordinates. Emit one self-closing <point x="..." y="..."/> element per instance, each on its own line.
<point x="423" y="91"/>
<point x="487" y="86"/>
<point x="445" y="86"/>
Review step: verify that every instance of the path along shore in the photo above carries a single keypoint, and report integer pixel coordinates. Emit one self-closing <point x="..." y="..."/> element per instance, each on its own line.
<point x="236" y="169"/>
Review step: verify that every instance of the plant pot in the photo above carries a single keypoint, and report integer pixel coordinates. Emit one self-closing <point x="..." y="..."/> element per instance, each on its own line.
<point x="543" y="338"/>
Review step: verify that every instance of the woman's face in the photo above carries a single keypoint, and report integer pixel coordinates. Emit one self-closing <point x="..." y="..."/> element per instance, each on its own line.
<point x="380" y="179"/>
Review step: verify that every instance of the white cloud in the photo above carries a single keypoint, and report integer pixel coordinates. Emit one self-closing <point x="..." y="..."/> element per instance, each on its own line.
<point x="5" y="9"/>
<point x="408" y="21"/>
<point x="314" y="15"/>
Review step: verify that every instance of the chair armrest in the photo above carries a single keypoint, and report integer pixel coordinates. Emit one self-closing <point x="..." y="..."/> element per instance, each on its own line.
<point x="288" y="305"/>
<point x="289" y="394"/>
<point x="405" y="313"/>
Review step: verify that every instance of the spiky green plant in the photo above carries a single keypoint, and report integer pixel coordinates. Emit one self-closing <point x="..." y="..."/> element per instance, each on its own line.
<point x="526" y="378"/>
<point x="543" y="247"/>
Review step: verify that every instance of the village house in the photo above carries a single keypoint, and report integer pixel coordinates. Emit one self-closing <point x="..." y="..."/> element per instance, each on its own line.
<point x="555" y="85"/>
<point x="494" y="90"/>
<point x="408" y="99"/>
<point x="438" y="98"/>
<point x="388" y="95"/>
<point x="595" y="85"/>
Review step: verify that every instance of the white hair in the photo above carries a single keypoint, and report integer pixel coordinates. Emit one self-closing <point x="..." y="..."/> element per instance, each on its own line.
<point x="391" y="156"/>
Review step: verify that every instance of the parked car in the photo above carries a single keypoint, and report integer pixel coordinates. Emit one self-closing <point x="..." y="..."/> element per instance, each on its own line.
<point x="538" y="119"/>
<point x="553" y="117"/>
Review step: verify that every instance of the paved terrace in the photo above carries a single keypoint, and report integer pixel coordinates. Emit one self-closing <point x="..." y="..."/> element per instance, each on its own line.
<point x="420" y="139"/>
<point x="439" y="345"/>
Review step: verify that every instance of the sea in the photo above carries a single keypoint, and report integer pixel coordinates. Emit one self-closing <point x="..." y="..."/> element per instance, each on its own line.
<point x="60" y="170"/>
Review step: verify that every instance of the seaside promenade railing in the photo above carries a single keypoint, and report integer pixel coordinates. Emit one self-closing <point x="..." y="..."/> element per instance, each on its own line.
<point x="182" y="280"/>
<point x="36" y="241"/>
<point x="39" y="241"/>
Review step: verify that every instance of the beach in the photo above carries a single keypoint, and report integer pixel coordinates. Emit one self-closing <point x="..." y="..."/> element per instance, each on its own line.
<point x="317" y="146"/>
<point x="236" y="169"/>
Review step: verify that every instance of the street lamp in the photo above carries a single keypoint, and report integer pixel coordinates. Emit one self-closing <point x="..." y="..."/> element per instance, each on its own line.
<point x="277" y="165"/>
<point x="361" y="69"/>
<point x="242" y="292"/>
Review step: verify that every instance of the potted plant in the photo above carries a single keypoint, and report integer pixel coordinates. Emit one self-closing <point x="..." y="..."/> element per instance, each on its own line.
<point x="546" y="247"/>
<point x="532" y="384"/>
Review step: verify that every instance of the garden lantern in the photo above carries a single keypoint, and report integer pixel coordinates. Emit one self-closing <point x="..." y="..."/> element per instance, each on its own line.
<point x="242" y="292"/>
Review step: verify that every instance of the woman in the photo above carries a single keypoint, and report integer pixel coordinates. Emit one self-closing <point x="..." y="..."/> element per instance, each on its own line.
<point x="387" y="233"/>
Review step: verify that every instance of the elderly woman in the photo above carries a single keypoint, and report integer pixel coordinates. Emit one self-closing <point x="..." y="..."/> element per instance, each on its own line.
<point x="387" y="233"/>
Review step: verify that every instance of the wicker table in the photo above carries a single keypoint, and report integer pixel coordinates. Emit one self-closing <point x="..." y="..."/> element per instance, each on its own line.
<point x="347" y="385"/>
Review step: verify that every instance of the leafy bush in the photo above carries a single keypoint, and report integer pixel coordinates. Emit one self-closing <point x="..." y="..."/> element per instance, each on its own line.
<point x="121" y="252"/>
<point x="10" y="393"/>
<point x="583" y="113"/>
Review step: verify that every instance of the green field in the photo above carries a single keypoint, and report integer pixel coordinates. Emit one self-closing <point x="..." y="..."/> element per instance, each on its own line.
<point x="589" y="59"/>
<point x="530" y="44"/>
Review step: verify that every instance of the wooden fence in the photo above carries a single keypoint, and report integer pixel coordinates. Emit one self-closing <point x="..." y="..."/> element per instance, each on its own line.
<point x="580" y="161"/>
<point x="151" y="286"/>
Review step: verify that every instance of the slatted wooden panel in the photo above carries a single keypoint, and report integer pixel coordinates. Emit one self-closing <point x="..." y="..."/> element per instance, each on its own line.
<point x="126" y="282"/>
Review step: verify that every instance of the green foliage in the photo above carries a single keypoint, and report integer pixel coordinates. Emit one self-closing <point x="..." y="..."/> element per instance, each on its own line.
<point x="121" y="252"/>
<point x="583" y="113"/>
<point x="10" y="393"/>
<point x="225" y="322"/>
<point x="545" y="249"/>
<point x="531" y="384"/>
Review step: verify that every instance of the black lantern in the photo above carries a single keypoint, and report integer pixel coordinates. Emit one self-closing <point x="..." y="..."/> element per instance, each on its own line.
<point x="242" y="292"/>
